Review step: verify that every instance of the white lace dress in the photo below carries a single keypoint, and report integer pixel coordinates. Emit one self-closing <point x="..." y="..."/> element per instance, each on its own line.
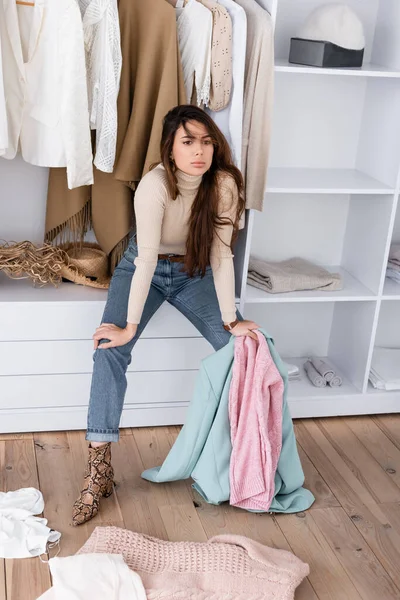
<point x="103" y="64"/>
<point x="194" y="25"/>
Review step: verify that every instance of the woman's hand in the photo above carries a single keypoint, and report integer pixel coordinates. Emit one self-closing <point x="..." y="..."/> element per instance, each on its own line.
<point x="245" y="328"/>
<point x="116" y="335"/>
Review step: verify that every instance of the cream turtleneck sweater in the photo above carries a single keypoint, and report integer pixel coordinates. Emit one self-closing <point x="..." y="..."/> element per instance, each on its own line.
<point x="162" y="228"/>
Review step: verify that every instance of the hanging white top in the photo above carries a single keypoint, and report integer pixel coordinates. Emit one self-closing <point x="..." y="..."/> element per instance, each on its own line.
<point x="45" y="86"/>
<point x="230" y="119"/>
<point x="99" y="576"/>
<point x="103" y="64"/>
<point x="3" y="115"/>
<point x="23" y="535"/>
<point x="194" y="25"/>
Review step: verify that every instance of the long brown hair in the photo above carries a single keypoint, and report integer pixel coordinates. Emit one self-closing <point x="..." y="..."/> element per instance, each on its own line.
<point x="204" y="219"/>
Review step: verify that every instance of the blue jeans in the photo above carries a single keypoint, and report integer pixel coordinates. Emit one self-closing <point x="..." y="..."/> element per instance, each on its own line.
<point x="194" y="297"/>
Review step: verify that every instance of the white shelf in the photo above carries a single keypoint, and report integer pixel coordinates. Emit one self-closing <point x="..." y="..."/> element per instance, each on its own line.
<point x="22" y="290"/>
<point x="352" y="290"/>
<point x="391" y="290"/>
<point x="305" y="389"/>
<point x="367" y="70"/>
<point x="323" y="181"/>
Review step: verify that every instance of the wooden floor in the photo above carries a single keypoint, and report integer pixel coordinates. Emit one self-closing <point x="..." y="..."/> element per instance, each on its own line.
<point x="350" y="537"/>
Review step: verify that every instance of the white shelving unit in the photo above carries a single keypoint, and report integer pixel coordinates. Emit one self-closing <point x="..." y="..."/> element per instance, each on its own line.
<point x="332" y="196"/>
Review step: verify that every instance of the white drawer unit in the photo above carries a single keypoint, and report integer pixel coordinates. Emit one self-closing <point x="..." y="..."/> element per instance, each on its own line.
<point x="75" y="356"/>
<point x="70" y="312"/>
<point x="62" y="400"/>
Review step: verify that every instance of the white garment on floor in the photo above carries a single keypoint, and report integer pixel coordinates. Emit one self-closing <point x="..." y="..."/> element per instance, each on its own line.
<point x="3" y="114"/>
<point x="93" y="576"/>
<point x="45" y="85"/>
<point x="194" y="25"/>
<point x="103" y="65"/>
<point x="22" y="535"/>
<point x="230" y="119"/>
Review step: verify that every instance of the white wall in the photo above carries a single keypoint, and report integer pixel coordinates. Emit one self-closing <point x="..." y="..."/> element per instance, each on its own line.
<point x="302" y="135"/>
<point x="311" y="226"/>
<point x="388" y="333"/>
<point x="23" y="190"/>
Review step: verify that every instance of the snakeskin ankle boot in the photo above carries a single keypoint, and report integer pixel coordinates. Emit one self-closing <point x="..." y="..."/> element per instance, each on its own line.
<point x="98" y="483"/>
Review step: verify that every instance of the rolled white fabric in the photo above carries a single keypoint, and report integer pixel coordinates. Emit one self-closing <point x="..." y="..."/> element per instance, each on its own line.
<point x="323" y="368"/>
<point x="316" y="379"/>
<point x="336" y="381"/>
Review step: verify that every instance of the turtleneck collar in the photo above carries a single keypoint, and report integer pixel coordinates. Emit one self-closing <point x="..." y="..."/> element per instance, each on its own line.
<point x="187" y="183"/>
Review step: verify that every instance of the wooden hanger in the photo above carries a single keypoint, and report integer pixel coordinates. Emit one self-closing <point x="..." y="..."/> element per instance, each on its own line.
<point x="22" y="3"/>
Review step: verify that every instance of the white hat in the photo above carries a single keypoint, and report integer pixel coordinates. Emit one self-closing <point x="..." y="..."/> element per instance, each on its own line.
<point x="335" y="23"/>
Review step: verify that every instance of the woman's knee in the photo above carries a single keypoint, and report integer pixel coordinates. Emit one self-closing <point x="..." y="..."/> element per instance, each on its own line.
<point x="120" y="355"/>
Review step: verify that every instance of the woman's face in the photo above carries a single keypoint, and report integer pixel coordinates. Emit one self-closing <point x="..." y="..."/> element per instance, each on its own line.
<point x="193" y="149"/>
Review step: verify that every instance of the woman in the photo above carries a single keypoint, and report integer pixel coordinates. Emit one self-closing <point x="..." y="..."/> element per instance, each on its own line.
<point x="187" y="215"/>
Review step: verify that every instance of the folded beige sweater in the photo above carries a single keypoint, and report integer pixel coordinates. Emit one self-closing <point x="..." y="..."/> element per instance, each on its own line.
<point x="291" y="275"/>
<point x="227" y="567"/>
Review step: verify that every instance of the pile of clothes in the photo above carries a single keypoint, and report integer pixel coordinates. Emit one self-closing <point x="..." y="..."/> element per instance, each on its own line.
<point x="238" y="442"/>
<point x="120" y="564"/>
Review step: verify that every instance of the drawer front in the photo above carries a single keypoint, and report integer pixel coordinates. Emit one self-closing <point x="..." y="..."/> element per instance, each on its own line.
<point x="68" y="419"/>
<point x="51" y="358"/>
<point x="52" y="391"/>
<point x="78" y="321"/>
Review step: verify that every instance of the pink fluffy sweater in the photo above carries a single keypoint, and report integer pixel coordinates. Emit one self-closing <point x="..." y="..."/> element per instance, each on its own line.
<point x="255" y="415"/>
<point x="227" y="567"/>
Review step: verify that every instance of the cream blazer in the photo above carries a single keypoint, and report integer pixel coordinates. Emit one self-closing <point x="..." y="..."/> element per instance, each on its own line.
<point x="258" y="101"/>
<point x="3" y="115"/>
<point x="45" y="86"/>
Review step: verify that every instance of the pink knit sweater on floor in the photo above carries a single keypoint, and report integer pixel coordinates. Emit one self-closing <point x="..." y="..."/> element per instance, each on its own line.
<point x="227" y="567"/>
<point x="255" y="415"/>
